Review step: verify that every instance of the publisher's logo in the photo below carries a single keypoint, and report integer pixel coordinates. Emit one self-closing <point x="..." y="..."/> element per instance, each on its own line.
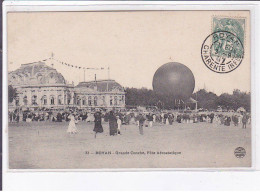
<point x="240" y="152"/>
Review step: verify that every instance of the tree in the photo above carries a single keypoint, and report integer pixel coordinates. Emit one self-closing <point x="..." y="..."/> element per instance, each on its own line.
<point x="206" y="100"/>
<point x="209" y="100"/>
<point x="227" y="101"/>
<point x="12" y="93"/>
<point x="141" y="97"/>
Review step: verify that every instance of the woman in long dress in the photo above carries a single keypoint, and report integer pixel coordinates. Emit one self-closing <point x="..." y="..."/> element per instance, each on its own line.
<point x="119" y="123"/>
<point x="112" y="123"/>
<point x="72" y="129"/>
<point x="98" y="126"/>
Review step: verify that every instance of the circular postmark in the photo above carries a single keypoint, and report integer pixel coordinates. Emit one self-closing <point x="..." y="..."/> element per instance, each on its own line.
<point x="240" y="152"/>
<point x="222" y="52"/>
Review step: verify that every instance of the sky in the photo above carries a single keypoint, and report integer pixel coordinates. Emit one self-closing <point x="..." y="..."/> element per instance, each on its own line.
<point x="133" y="44"/>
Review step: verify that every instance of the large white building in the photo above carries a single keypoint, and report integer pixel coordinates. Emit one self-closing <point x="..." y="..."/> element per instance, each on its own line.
<point x="38" y="85"/>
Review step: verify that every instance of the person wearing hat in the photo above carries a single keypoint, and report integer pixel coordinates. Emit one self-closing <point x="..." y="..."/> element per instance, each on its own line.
<point x="141" y="120"/>
<point x="244" y="120"/>
<point x="112" y="120"/>
<point x="72" y="129"/>
<point x="119" y="122"/>
<point x="98" y="126"/>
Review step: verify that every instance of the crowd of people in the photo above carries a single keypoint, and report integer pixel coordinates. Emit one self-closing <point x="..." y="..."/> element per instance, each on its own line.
<point x="116" y="118"/>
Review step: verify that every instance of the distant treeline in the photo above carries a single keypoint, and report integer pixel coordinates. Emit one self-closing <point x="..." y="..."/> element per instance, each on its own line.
<point x="206" y="100"/>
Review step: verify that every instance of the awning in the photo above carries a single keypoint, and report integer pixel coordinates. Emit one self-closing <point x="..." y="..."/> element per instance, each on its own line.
<point x="191" y="101"/>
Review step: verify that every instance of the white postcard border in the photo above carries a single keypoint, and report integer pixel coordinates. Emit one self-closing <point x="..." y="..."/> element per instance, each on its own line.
<point x="15" y="178"/>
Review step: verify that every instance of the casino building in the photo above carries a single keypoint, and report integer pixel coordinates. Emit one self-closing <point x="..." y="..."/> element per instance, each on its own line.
<point x="38" y="85"/>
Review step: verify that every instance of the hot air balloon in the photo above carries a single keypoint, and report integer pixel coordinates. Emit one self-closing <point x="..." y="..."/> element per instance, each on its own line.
<point x="174" y="80"/>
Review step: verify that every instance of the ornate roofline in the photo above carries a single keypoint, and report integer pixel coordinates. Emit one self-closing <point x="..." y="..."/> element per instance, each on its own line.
<point x="43" y="85"/>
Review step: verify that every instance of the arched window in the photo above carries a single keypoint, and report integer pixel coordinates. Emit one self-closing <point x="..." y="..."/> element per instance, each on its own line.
<point x="51" y="75"/>
<point x="115" y="100"/>
<point x="44" y="100"/>
<point x="60" y="100"/>
<point x="25" y="101"/>
<point x="78" y="100"/>
<point x="111" y="101"/>
<point x="84" y="101"/>
<point x="89" y="101"/>
<point x="95" y="101"/>
<point x="64" y="100"/>
<point x="69" y="97"/>
<point x="39" y="76"/>
<point x="51" y="78"/>
<point x="34" y="100"/>
<point x="17" y="101"/>
<point x="26" y="77"/>
<point x="52" y="100"/>
<point x="19" y="78"/>
<point x="119" y="100"/>
<point x="123" y="99"/>
<point x="104" y="100"/>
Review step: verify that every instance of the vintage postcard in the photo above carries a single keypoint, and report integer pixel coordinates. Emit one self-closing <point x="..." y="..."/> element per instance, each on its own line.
<point x="129" y="90"/>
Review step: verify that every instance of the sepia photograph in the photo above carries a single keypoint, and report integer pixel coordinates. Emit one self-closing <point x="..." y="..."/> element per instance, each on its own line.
<point x="129" y="90"/>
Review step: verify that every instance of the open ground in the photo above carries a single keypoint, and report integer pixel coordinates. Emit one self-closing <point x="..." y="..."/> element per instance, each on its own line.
<point x="46" y="145"/>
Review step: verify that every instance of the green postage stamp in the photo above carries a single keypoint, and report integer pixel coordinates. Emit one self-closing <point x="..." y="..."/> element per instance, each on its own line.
<point x="223" y="50"/>
<point x="234" y="25"/>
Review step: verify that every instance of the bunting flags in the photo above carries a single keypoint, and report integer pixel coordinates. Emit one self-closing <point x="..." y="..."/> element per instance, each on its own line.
<point x="74" y="66"/>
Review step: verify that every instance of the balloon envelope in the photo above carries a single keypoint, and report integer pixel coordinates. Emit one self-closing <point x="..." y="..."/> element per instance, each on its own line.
<point x="174" y="80"/>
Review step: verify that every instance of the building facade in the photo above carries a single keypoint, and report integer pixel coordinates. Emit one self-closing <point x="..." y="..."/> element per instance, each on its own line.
<point x="38" y="85"/>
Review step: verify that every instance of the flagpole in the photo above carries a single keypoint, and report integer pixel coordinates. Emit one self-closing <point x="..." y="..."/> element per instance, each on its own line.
<point x="84" y="75"/>
<point x="108" y="73"/>
<point x="108" y="77"/>
<point x="52" y="56"/>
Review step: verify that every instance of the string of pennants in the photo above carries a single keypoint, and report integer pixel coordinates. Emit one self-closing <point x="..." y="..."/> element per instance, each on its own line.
<point x="73" y="66"/>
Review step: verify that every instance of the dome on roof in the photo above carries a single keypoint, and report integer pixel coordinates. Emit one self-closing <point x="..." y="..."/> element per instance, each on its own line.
<point x="102" y="85"/>
<point x="35" y="73"/>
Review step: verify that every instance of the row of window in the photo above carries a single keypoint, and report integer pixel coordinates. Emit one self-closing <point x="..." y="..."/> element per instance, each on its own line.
<point x="25" y="77"/>
<point x="89" y="101"/>
<point x="117" y="100"/>
<point x="43" y="90"/>
<point x="43" y="100"/>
